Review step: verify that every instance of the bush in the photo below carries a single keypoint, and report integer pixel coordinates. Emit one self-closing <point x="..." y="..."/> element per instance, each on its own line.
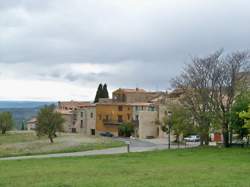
<point x="126" y="129"/>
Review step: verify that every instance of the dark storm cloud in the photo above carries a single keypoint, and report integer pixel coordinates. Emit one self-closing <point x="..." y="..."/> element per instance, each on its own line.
<point x="150" y="40"/>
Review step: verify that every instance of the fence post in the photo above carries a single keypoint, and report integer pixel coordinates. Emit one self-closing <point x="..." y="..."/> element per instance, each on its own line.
<point x="128" y="146"/>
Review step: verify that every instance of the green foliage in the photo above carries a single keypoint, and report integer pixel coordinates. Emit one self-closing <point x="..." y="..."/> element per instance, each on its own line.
<point x="241" y="104"/>
<point x="6" y="121"/>
<point x="98" y="93"/>
<point x="23" y="127"/>
<point x="245" y="115"/>
<point x="181" y="121"/>
<point x="126" y="129"/>
<point x="102" y="92"/>
<point x="105" y="93"/>
<point x="49" y="122"/>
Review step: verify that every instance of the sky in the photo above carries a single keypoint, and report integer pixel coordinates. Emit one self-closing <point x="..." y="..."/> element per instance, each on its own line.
<point x="54" y="50"/>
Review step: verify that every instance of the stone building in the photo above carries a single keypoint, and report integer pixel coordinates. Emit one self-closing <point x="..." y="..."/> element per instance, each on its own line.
<point x="110" y="115"/>
<point x="80" y="117"/>
<point x="133" y="95"/>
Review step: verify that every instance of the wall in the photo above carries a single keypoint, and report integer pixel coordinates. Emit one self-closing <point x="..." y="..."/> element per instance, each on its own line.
<point x="110" y="111"/>
<point x="88" y="117"/>
<point x="147" y="126"/>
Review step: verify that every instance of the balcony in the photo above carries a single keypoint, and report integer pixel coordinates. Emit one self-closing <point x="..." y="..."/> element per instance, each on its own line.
<point x="112" y="122"/>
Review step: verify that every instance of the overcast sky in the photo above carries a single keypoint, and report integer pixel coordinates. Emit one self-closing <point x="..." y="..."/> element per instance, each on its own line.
<point x="61" y="49"/>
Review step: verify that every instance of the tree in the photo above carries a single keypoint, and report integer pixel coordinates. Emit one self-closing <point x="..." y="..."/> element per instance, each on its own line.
<point x="230" y="81"/>
<point x="49" y="122"/>
<point x="210" y="87"/>
<point x="105" y="93"/>
<point x="241" y="104"/>
<point x="23" y="125"/>
<point x="182" y="123"/>
<point x="102" y="92"/>
<point x="181" y="120"/>
<point x="197" y="83"/>
<point x="245" y="115"/>
<point x="126" y="129"/>
<point x="6" y="121"/>
<point x="98" y="93"/>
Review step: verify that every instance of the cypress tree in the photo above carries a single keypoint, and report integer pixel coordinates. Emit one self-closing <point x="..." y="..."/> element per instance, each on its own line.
<point x="105" y="93"/>
<point x="98" y="93"/>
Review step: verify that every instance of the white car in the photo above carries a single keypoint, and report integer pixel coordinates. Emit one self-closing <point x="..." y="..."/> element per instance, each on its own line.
<point x="192" y="138"/>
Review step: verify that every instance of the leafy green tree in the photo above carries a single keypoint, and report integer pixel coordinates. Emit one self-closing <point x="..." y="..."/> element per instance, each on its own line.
<point x="182" y="123"/>
<point x="105" y="93"/>
<point x="98" y="93"/>
<point x="6" y="121"/>
<point x="49" y="122"/>
<point x="241" y="104"/>
<point x="245" y="115"/>
<point x="23" y="125"/>
<point x="126" y="129"/>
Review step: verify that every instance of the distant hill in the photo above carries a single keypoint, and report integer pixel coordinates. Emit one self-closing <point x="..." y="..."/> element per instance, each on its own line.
<point x="22" y="110"/>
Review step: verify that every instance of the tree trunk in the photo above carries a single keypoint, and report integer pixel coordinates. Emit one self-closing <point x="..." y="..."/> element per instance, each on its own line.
<point x="51" y="139"/>
<point x="225" y="133"/>
<point x="206" y="138"/>
<point x="3" y="131"/>
<point x="231" y="136"/>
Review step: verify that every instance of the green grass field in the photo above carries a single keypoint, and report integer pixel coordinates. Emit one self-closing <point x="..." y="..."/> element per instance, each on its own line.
<point x="27" y="143"/>
<point x="200" y="167"/>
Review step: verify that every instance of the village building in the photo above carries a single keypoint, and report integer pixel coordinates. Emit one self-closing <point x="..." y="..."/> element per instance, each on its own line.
<point x="31" y="124"/>
<point x="80" y="117"/>
<point x="110" y="115"/>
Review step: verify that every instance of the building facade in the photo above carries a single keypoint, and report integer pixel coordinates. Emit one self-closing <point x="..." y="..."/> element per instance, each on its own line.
<point x="110" y="115"/>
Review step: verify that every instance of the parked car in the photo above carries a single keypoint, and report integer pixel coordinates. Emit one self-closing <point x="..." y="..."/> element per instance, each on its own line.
<point x="192" y="138"/>
<point x="107" y="134"/>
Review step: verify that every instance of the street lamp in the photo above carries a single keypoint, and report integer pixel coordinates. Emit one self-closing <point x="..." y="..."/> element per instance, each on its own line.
<point x="169" y="127"/>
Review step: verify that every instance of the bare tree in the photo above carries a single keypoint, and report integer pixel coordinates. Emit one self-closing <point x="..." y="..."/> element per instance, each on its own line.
<point x="210" y="86"/>
<point x="197" y="82"/>
<point x="231" y="79"/>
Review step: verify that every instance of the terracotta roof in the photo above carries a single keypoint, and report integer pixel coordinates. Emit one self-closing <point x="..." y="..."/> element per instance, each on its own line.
<point x="130" y="90"/>
<point x="32" y="120"/>
<point x="64" y="111"/>
<point x="75" y="104"/>
<point x="126" y="104"/>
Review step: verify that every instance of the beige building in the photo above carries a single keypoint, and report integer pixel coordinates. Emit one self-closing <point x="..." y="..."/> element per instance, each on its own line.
<point x="80" y="117"/>
<point x="31" y="124"/>
<point x="133" y="95"/>
<point x="147" y="124"/>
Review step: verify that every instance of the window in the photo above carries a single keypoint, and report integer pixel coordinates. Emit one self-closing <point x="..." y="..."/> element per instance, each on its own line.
<point x="137" y="118"/>
<point x="107" y="117"/>
<point x="120" y="108"/>
<point x="136" y="108"/>
<point x="142" y="108"/>
<point x="81" y="114"/>
<point x="120" y="118"/>
<point x="91" y="115"/>
<point x="81" y="123"/>
<point x="128" y="116"/>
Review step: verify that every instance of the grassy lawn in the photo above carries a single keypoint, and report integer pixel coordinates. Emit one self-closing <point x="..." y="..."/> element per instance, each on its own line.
<point x="207" y="167"/>
<point x="15" y="144"/>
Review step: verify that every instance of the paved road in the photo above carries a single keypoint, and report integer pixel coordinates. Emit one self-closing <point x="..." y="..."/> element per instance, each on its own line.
<point x="135" y="146"/>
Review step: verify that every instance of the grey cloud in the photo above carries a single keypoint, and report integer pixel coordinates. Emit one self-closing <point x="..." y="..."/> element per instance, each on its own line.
<point x="155" y="37"/>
